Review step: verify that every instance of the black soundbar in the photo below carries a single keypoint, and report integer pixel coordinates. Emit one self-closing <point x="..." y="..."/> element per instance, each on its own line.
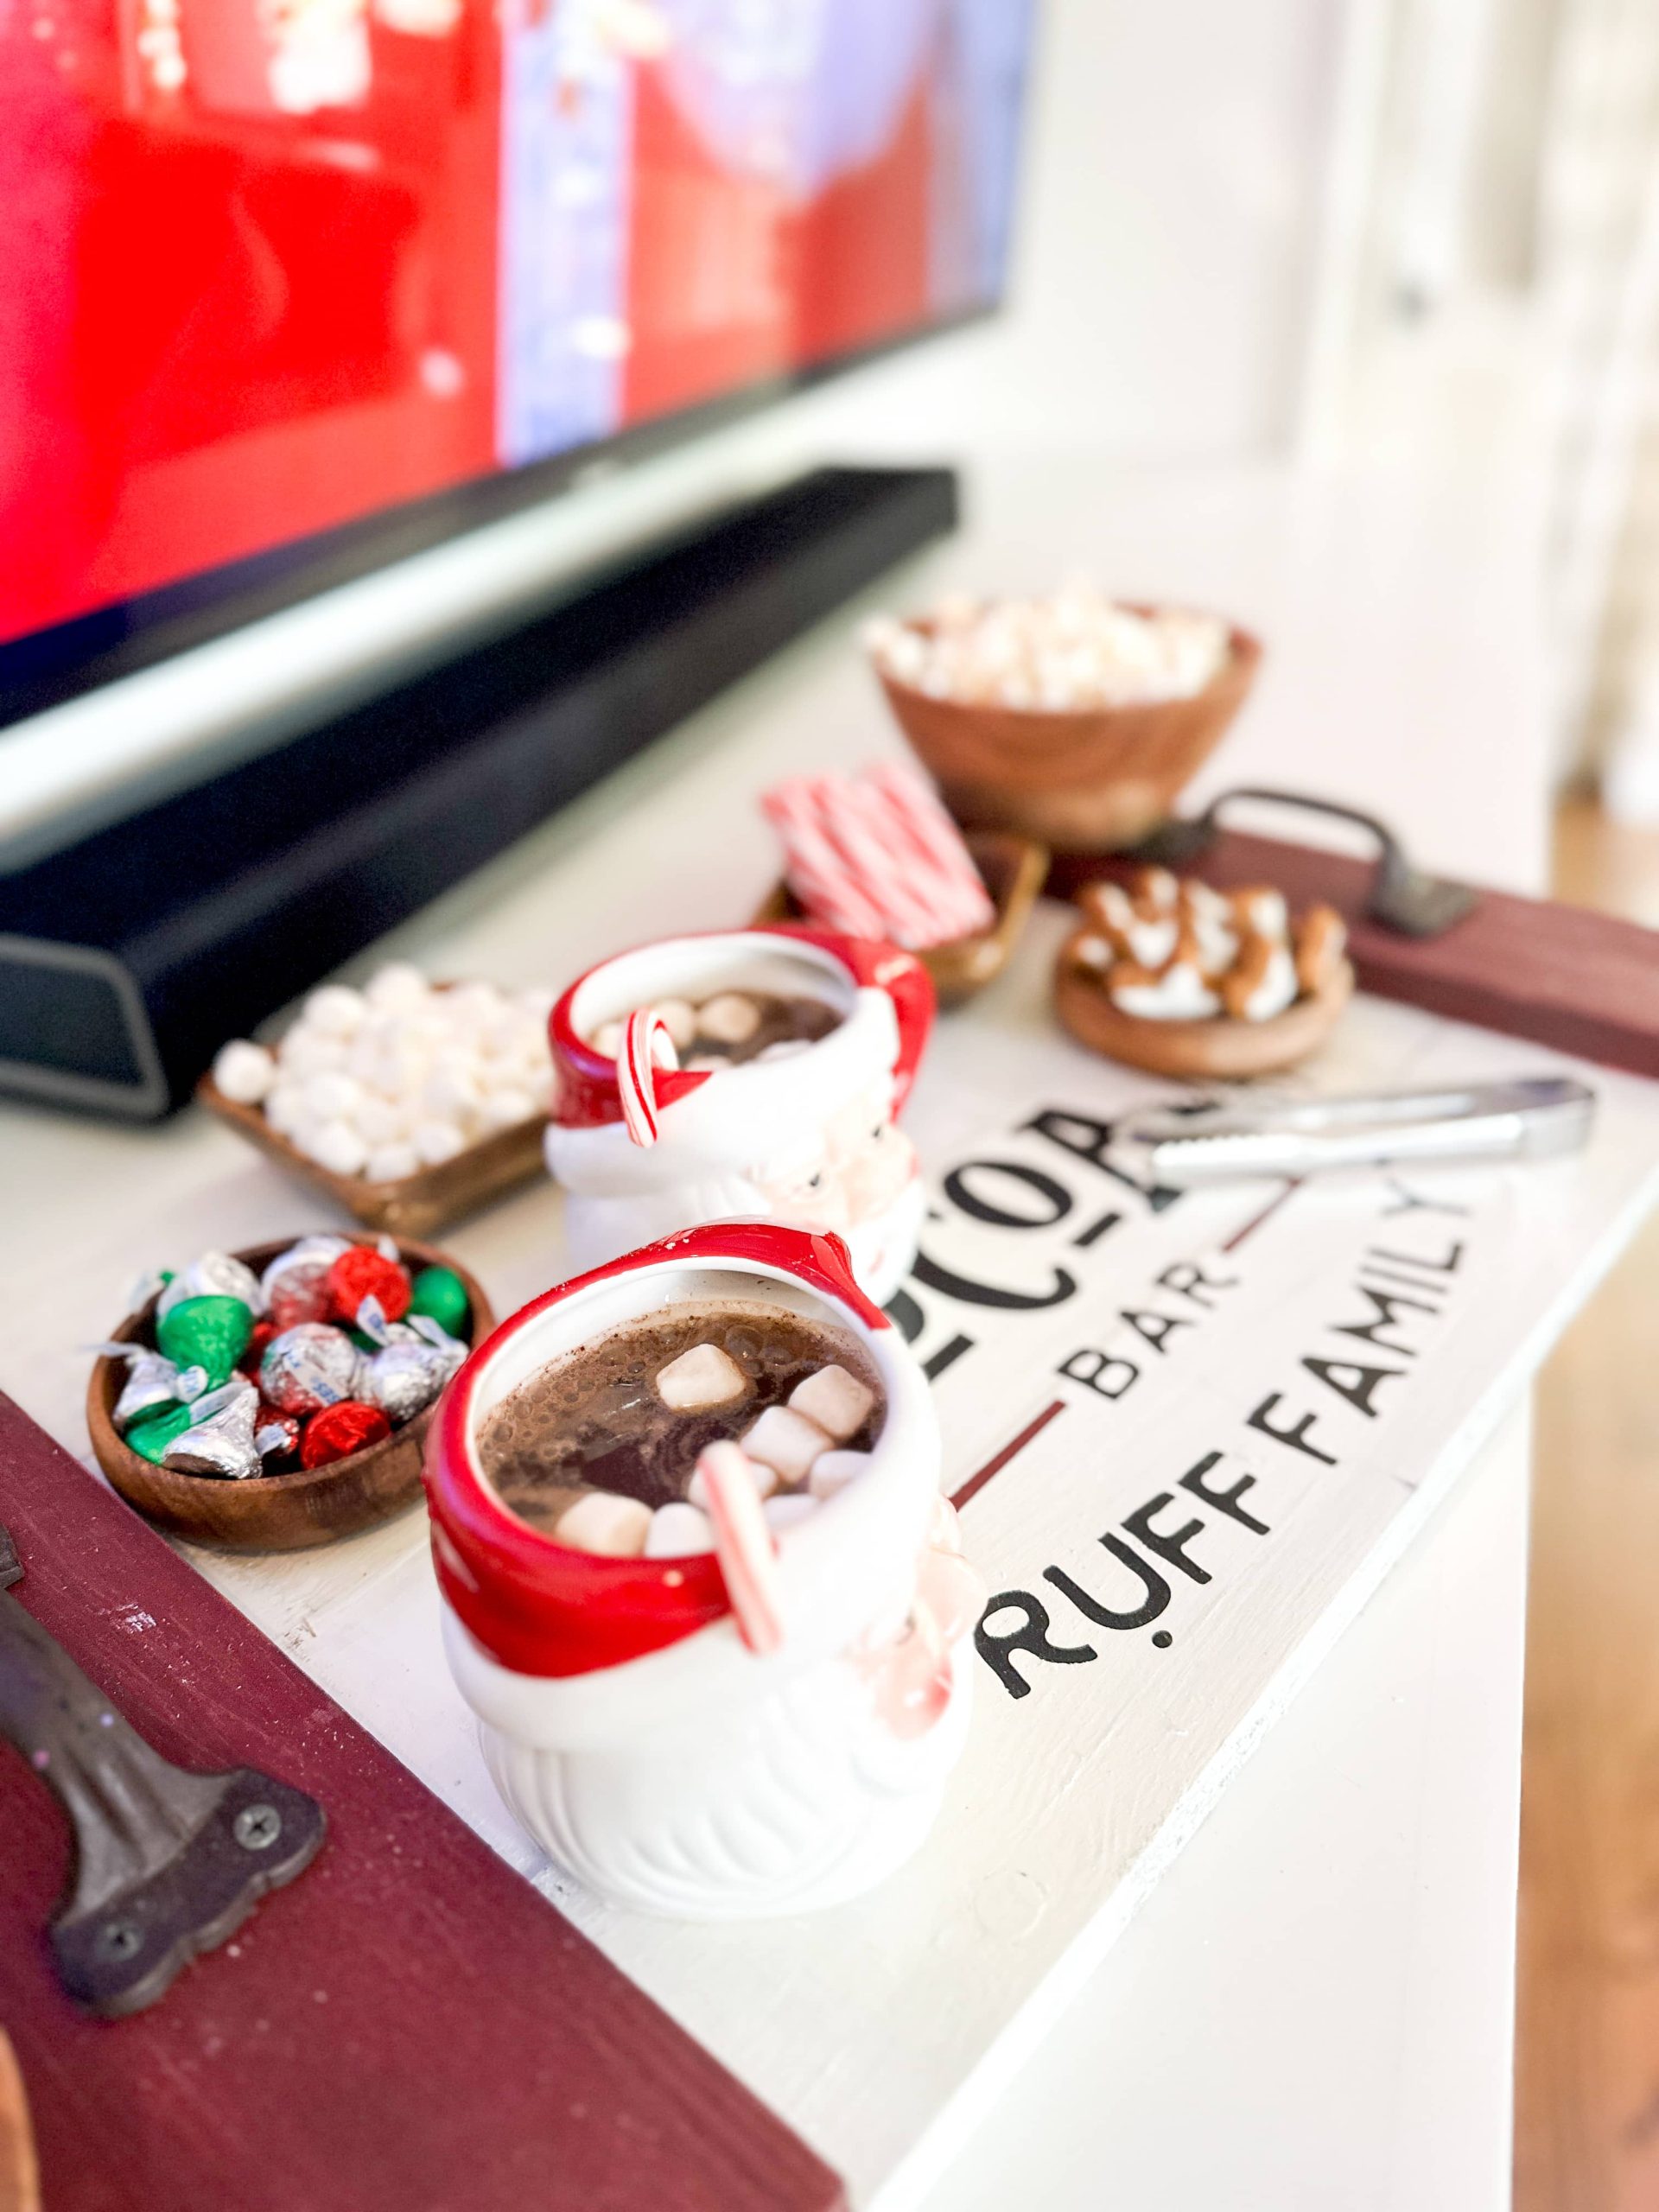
<point x="126" y="960"/>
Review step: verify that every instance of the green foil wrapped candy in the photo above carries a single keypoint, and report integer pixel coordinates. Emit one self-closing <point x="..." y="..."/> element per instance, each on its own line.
<point x="440" y="1294"/>
<point x="151" y="1437"/>
<point x="209" y="1331"/>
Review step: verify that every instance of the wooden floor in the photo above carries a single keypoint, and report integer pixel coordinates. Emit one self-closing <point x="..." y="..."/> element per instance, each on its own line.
<point x="1587" y="2051"/>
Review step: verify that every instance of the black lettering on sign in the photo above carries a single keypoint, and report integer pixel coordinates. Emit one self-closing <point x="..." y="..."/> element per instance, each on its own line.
<point x="1350" y="1380"/>
<point x="1096" y="1230"/>
<point x="996" y="1647"/>
<point x="961" y="1193"/>
<point x="932" y="1276"/>
<point x="1225" y="1501"/>
<point x="907" y="1317"/>
<point x="1168" y="1543"/>
<point x="1100" y="1371"/>
<point x="1408" y="1202"/>
<point x="1089" y="1139"/>
<point x="936" y="1362"/>
<point x="1154" y="1590"/>
<point x="1387" y="1305"/>
<point x="1187" y="1278"/>
<point x="1155" y="1327"/>
<point x="1295" y="1436"/>
<point x="1448" y="1266"/>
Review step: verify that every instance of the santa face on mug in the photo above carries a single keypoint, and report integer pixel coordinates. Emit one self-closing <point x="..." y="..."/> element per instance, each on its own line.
<point x="850" y="1174"/>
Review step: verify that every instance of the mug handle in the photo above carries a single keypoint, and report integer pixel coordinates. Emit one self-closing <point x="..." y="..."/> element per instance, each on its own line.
<point x="886" y="968"/>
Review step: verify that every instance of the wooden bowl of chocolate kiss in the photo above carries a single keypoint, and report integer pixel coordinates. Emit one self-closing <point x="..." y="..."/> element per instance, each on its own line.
<point x="290" y="1512"/>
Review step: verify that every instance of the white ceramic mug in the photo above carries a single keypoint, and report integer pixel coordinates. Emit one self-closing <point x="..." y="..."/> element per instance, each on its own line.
<point x="809" y="1141"/>
<point x="631" y="1731"/>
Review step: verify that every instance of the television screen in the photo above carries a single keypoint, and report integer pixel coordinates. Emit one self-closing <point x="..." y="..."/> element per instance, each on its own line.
<point x="273" y="267"/>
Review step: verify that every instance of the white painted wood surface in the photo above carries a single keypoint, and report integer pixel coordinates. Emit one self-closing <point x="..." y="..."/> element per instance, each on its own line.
<point x="1334" y="577"/>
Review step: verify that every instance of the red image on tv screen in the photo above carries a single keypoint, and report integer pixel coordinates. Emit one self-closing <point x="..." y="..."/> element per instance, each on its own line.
<point x="272" y="266"/>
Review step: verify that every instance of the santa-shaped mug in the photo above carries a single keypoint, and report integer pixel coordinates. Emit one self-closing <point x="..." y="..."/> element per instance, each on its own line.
<point x="626" y="1715"/>
<point x="806" y="1137"/>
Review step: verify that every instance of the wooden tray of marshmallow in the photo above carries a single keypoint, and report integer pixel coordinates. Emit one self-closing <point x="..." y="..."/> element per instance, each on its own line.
<point x="1170" y="975"/>
<point x="407" y="1103"/>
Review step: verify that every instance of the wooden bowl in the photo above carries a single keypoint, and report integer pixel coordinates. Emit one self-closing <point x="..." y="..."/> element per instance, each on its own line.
<point x="430" y="1198"/>
<point x="415" y="1204"/>
<point x="270" y="1513"/>
<point x="1012" y="869"/>
<point x="1217" y="1048"/>
<point x="1089" y="780"/>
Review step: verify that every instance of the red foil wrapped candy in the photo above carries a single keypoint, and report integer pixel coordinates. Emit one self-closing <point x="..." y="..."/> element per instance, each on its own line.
<point x="364" y="1272"/>
<point x="338" y="1431"/>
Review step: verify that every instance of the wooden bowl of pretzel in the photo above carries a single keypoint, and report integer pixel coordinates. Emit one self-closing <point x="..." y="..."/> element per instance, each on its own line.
<point x="1169" y="974"/>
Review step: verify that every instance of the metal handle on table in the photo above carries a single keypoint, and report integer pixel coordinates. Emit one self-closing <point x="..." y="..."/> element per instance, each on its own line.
<point x="1533" y="1119"/>
<point x="167" y="1864"/>
<point x="1403" y="897"/>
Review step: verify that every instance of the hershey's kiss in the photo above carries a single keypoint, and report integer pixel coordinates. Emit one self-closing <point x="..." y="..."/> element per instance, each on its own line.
<point x="311" y="1366"/>
<point x="404" y="1378"/>
<point x="215" y="1275"/>
<point x="219" y="1439"/>
<point x="152" y="1383"/>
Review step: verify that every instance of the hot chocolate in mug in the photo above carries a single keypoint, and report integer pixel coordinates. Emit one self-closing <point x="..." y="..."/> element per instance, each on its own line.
<point x="804" y="1134"/>
<point x="636" y="1735"/>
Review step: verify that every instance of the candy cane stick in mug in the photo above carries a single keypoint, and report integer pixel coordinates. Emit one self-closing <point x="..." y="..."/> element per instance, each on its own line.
<point x="916" y="805"/>
<point x="743" y="1544"/>
<point x="815" y="872"/>
<point x="645" y="1046"/>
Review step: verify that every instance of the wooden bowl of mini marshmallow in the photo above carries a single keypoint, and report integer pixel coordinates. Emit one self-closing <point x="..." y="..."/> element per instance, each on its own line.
<point x="1183" y="980"/>
<point x="1074" y="720"/>
<point x="407" y="1103"/>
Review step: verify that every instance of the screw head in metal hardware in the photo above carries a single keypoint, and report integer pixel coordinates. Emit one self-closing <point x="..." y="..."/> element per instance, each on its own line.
<point x="256" y="1828"/>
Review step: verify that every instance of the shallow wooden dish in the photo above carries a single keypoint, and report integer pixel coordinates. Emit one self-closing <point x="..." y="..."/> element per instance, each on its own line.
<point x="1090" y="781"/>
<point x="272" y="1513"/>
<point x="1013" y="869"/>
<point x="1217" y="1048"/>
<point x="415" y="1204"/>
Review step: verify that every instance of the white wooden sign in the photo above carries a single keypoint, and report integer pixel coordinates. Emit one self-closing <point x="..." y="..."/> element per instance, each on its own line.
<point x="1189" y="1436"/>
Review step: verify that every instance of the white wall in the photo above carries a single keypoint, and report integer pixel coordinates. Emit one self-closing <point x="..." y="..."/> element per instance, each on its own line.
<point x="1176" y="160"/>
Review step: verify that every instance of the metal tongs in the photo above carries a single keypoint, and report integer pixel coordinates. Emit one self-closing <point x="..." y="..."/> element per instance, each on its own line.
<point x="1224" y="1140"/>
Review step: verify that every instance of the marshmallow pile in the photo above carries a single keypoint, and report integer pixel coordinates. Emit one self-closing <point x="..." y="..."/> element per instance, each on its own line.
<point x="1171" y="951"/>
<point x="797" y="1455"/>
<point x="1077" y="651"/>
<point x="399" y="1076"/>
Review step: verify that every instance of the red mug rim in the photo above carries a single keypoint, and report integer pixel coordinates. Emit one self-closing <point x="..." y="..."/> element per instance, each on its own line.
<point x="586" y="1092"/>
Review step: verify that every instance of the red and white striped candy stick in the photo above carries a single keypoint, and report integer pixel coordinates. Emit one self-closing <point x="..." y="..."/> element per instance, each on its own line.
<point x="954" y="906"/>
<point x="743" y="1545"/>
<point x="849" y="818"/>
<point x="645" y="1046"/>
<point x="816" y="873"/>
<point x="926" y="824"/>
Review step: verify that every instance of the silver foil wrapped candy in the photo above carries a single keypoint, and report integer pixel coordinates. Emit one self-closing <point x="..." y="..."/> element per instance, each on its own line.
<point x="215" y="1275"/>
<point x="220" y="1440"/>
<point x="405" y="1377"/>
<point x="311" y="1366"/>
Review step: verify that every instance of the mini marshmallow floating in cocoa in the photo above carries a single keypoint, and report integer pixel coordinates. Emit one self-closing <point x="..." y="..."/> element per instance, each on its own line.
<point x="1172" y="976"/>
<point x="607" y="1451"/>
